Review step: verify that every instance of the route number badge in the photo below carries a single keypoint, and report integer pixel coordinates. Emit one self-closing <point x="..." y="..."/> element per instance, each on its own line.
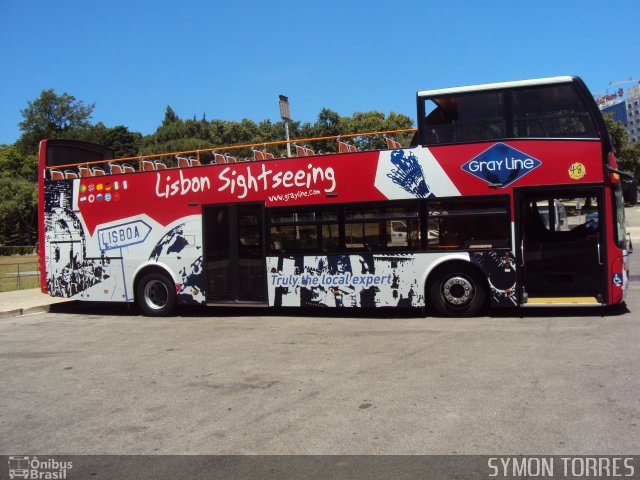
<point x="577" y="171"/>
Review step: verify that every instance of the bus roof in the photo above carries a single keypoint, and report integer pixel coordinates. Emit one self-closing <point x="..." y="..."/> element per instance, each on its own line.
<point x="496" y="86"/>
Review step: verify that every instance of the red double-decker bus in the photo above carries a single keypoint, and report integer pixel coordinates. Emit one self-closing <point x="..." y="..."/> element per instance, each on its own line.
<point x="508" y="195"/>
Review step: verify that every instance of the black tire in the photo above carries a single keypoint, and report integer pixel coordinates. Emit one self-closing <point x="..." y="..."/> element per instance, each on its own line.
<point x="457" y="290"/>
<point x="156" y="294"/>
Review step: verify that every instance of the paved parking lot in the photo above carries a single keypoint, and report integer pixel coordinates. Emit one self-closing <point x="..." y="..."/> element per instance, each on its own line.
<point x="97" y="380"/>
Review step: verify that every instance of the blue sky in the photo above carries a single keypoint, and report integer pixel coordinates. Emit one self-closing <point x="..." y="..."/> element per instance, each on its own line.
<point x="231" y="60"/>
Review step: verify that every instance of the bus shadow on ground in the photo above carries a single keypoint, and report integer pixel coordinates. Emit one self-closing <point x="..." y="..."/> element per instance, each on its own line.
<point x="119" y="309"/>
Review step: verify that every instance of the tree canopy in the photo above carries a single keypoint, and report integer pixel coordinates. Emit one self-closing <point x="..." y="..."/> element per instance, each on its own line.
<point x="52" y="116"/>
<point x="627" y="154"/>
<point x="18" y="211"/>
<point x="176" y="134"/>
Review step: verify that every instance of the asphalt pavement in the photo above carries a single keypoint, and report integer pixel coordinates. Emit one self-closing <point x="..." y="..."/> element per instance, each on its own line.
<point x="95" y="379"/>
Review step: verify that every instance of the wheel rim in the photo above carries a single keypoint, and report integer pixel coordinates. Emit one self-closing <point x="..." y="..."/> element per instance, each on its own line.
<point x="156" y="294"/>
<point x="458" y="291"/>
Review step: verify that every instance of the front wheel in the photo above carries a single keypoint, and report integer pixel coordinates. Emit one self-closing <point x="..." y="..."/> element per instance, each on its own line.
<point x="156" y="295"/>
<point x="457" y="291"/>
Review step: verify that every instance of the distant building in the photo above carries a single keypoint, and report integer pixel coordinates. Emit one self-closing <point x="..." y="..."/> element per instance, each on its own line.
<point x="619" y="111"/>
<point x="633" y="113"/>
<point x="625" y="110"/>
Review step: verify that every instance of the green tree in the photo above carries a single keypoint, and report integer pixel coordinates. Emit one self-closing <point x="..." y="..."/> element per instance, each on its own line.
<point x="123" y="142"/>
<point x="328" y="123"/>
<point x="373" y="121"/>
<point x="18" y="190"/>
<point x="52" y="116"/>
<point x="169" y="116"/>
<point x="18" y="211"/>
<point x="627" y="154"/>
<point x="175" y="134"/>
<point x="15" y="164"/>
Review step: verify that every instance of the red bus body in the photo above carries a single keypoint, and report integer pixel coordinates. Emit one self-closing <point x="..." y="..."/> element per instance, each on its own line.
<point x="102" y="235"/>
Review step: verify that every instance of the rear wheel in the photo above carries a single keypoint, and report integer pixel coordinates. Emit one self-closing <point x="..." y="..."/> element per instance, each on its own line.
<point x="457" y="290"/>
<point x="156" y="294"/>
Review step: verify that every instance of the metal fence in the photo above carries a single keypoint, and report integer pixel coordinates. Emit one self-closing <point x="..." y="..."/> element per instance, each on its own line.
<point x="18" y="267"/>
<point x="17" y="276"/>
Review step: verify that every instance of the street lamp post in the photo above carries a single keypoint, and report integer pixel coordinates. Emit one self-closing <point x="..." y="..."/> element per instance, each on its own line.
<point x="285" y="115"/>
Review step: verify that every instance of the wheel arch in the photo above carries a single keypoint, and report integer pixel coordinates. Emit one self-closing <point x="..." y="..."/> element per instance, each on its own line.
<point x="151" y="268"/>
<point x="453" y="257"/>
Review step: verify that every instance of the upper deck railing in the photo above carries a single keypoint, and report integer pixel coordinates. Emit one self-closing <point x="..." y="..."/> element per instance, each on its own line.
<point x="303" y="147"/>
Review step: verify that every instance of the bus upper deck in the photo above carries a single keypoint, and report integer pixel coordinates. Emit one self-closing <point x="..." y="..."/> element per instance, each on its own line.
<point x="73" y="159"/>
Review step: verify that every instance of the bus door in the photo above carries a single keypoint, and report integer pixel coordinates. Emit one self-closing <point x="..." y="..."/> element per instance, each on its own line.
<point x="234" y="254"/>
<point x="561" y="246"/>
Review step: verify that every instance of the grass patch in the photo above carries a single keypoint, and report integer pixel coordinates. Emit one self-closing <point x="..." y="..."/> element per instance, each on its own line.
<point x="25" y="265"/>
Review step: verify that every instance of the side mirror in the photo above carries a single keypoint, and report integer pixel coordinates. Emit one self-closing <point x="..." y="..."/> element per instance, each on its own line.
<point x="629" y="244"/>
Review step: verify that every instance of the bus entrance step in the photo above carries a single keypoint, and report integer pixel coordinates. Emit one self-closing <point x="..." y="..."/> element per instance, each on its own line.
<point x="562" y="302"/>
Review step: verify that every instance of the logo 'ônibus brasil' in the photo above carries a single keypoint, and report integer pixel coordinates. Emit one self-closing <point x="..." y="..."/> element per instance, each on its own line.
<point x="501" y="165"/>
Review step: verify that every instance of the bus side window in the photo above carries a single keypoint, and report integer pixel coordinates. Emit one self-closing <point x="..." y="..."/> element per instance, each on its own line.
<point x="303" y="231"/>
<point x="451" y="232"/>
<point x="439" y="127"/>
<point x="464" y="118"/>
<point x="554" y="111"/>
<point x="468" y="224"/>
<point x="329" y="237"/>
<point x="562" y="219"/>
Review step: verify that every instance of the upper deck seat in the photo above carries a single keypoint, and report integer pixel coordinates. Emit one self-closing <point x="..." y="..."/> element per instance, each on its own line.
<point x="258" y="155"/>
<point x="300" y="150"/>
<point x="183" y="162"/>
<point x="115" y="168"/>
<point x="392" y="143"/>
<point x="147" y="165"/>
<point x="56" y="174"/>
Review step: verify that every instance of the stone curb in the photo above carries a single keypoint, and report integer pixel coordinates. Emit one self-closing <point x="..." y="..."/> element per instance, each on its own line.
<point x="18" y="312"/>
